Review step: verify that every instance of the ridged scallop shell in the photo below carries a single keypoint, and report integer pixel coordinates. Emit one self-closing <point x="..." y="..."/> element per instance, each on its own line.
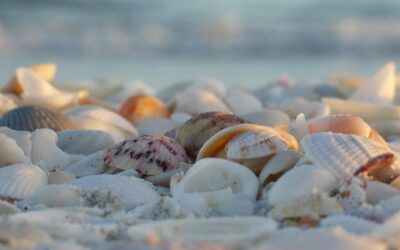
<point x="10" y="152"/>
<point x="45" y="152"/>
<point x="156" y="126"/>
<point x="349" y="223"/>
<point x="22" y="138"/>
<point x="132" y="191"/>
<point x="241" y="102"/>
<point x="150" y="156"/>
<point x="215" y="181"/>
<point x="30" y="118"/>
<point x="267" y="117"/>
<point x="346" y="156"/>
<point x="300" y="181"/>
<point x="19" y="181"/>
<point x="83" y="141"/>
<point x="232" y="231"/>
<point x="196" y="131"/>
<point x="249" y="144"/>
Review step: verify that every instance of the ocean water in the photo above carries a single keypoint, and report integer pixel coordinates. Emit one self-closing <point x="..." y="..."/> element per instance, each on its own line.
<point x="161" y="42"/>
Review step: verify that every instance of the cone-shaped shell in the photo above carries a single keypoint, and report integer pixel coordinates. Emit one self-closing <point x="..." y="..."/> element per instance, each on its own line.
<point x="30" y="118"/>
<point x="346" y="155"/>
<point x="196" y="131"/>
<point x="148" y="155"/>
<point x="137" y="109"/>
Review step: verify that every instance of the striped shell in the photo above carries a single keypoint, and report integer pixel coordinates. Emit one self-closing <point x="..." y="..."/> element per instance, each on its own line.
<point x="30" y="118"/>
<point x="149" y="155"/>
<point x="196" y="131"/>
<point x="19" y="181"/>
<point x="346" y="155"/>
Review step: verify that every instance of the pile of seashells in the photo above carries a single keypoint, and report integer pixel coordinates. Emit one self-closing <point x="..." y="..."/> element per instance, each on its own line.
<point x="199" y="165"/>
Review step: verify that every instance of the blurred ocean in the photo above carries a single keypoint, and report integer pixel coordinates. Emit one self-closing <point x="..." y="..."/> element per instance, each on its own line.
<point x="161" y="42"/>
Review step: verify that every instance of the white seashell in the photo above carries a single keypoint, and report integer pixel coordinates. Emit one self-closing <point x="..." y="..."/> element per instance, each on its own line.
<point x="242" y="102"/>
<point x="352" y="195"/>
<point x="180" y="117"/>
<point x="312" y="205"/>
<point x="378" y="191"/>
<point x="10" y="152"/>
<point x="19" y="181"/>
<point x="299" y="127"/>
<point x="212" y="85"/>
<point x="197" y="101"/>
<point x="310" y="109"/>
<point x="300" y="181"/>
<point x="165" y="208"/>
<point x="83" y="141"/>
<point x="22" y="138"/>
<point x="386" y="128"/>
<point x="344" y="155"/>
<point x="60" y="177"/>
<point x="389" y="206"/>
<point x="389" y="231"/>
<point x="89" y="165"/>
<point x="380" y="89"/>
<point x="7" y="208"/>
<point x="234" y="231"/>
<point x="155" y="126"/>
<point x="267" y="117"/>
<point x="277" y="165"/>
<point x="131" y="190"/>
<point x="22" y="235"/>
<point x="45" y="152"/>
<point x="349" y="223"/>
<point x="213" y="182"/>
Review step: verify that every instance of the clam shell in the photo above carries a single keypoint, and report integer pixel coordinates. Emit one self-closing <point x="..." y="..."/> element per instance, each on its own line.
<point x="150" y="156"/>
<point x="289" y="187"/>
<point x="30" y="118"/>
<point x="267" y="117"/>
<point x="10" y="152"/>
<point x="132" y="191"/>
<point x="83" y="141"/>
<point x="346" y="156"/>
<point x="156" y="126"/>
<point x="349" y="223"/>
<point x="215" y="181"/>
<point x="231" y="231"/>
<point x="45" y="152"/>
<point x="241" y="102"/>
<point x="89" y="165"/>
<point x="196" y="131"/>
<point x="19" y="181"/>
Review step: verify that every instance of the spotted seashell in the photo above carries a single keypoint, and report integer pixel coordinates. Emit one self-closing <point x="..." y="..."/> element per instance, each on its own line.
<point x="30" y="118"/>
<point x="196" y="131"/>
<point x="149" y="155"/>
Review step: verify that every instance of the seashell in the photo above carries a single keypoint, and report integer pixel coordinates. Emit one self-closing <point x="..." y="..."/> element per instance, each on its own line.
<point x="132" y="191"/>
<point x="7" y="208"/>
<point x="242" y="102"/>
<point x="214" y="182"/>
<point x="197" y="101"/>
<point x="370" y="112"/>
<point x="196" y="131"/>
<point x="346" y="156"/>
<point x="98" y="118"/>
<point x="278" y="165"/>
<point x="249" y="144"/>
<point x="30" y="118"/>
<point x="22" y="138"/>
<point x="389" y="231"/>
<point x="137" y="109"/>
<point x="380" y="89"/>
<point x="348" y="83"/>
<point x="45" y="152"/>
<point x="19" y="181"/>
<point x="22" y="235"/>
<point x="70" y="196"/>
<point x="10" y="152"/>
<point x="180" y="117"/>
<point x="212" y="85"/>
<point x="349" y="223"/>
<point x="310" y="109"/>
<point x="378" y="191"/>
<point x="134" y="88"/>
<point x="60" y="177"/>
<point x="386" y="128"/>
<point x="156" y="126"/>
<point x="309" y="205"/>
<point x="168" y="94"/>
<point x="267" y="117"/>
<point x="89" y="165"/>
<point x="151" y="156"/>
<point x="234" y="231"/>
<point x="288" y="187"/>
<point x="7" y="103"/>
<point x="389" y="206"/>
<point x="83" y="141"/>
<point x="165" y="208"/>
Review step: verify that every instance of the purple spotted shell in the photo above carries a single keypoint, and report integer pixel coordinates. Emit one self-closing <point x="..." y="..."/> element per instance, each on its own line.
<point x="149" y="155"/>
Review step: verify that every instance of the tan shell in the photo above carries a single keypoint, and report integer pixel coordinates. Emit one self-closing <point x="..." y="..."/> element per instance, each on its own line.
<point x="139" y="108"/>
<point x="196" y="131"/>
<point x="230" y="141"/>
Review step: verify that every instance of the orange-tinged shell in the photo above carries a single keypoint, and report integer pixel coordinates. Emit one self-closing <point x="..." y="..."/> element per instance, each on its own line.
<point x="140" y="108"/>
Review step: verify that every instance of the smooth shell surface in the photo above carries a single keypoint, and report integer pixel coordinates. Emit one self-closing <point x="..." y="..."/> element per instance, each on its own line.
<point x="241" y="102"/>
<point x="29" y="118"/>
<point x="83" y="141"/>
<point x="267" y="117"/>
<point x="10" y="152"/>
